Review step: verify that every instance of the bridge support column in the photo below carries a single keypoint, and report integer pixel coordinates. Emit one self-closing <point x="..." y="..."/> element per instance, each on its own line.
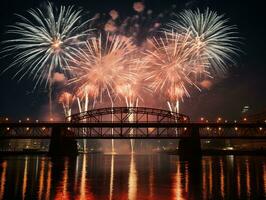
<point x="61" y="145"/>
<point x="190" y="148"/>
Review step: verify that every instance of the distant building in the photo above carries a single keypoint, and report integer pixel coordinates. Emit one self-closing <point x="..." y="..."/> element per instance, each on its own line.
<point x="259" y="117"/>
<point x="245" y="111"/>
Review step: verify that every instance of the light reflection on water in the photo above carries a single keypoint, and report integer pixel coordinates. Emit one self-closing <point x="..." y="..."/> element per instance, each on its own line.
<point x="133" y="177"/>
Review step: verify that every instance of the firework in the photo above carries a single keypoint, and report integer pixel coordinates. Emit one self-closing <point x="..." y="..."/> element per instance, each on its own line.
<point x="101" y="64"/>
<point x="211" y="36"/>
<point x="171" y="64"/>
<point x="66" y="99"/>
<point x="44" y="42"/>
<point x="130" y="90"/>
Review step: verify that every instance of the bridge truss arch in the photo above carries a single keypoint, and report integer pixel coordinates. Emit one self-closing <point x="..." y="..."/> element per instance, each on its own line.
<point x="127" y="122"/>
<point x="128" y="114"/>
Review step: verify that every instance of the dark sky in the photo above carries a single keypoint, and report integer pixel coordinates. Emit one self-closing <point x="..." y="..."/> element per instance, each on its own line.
<point x="245" y="84"/>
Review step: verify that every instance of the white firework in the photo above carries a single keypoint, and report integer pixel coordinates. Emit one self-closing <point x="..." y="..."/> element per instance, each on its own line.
<point x="211" y="36"/>
<point x="44" y="42"/>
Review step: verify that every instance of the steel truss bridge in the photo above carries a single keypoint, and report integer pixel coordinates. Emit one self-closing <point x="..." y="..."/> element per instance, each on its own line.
<point x="134" y="123"/>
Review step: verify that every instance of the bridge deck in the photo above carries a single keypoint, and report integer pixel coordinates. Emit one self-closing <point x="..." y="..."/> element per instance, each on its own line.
<point x="133" y="130"/>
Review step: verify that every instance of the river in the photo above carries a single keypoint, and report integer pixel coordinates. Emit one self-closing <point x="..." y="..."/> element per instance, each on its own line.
<point x="137" y="177"/>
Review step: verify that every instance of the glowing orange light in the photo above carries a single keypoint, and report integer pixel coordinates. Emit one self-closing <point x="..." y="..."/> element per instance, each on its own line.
<point x="260" y="128"/>
<point x="7" y="128"/>
<point x="185" y="128"/>
<point x="220" y="128"/>
<point x="56" y="44"/>
<point x="236" y="128"/>
<point x="37" y="120"/>
<point x="245" y="119"/>
<point x="43" y="128"/>
<point x="6" y="119"/>
<point x="27" y="128"/>
<point x="28" y="119"/>
<point x="202" y="118"/>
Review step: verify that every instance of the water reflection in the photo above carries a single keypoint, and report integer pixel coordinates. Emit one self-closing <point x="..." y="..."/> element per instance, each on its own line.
<point x="133" y="177"/>
<point x="3" y="179"/>
<point x="111" y="178"/>
<point x="25" y="178"/>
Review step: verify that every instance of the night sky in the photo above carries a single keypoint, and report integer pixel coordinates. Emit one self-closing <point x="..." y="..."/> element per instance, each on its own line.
<point x="244" y="85"/>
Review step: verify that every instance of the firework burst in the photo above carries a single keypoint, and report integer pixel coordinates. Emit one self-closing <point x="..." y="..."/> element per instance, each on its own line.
<point x="171" y="63"/>
<point x="100" y="65"/>
<point x="45" y="40"/>
<point x="211" y="36"/>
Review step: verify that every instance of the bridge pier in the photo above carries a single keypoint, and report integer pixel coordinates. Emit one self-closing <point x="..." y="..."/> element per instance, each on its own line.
<point x="190" y="147"/>
<point x="61" y="145"/>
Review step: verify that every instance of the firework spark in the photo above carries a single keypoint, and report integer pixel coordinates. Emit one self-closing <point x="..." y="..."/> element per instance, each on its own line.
<point x="211" y="36"/>
<point x="44" y="42"/>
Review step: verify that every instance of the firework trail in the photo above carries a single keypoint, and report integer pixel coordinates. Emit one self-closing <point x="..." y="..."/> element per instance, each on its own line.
<point x="171" y="63"/>
<point x="131" y="90"/>
<point x="211" y="36"/>
<point x="66" y="99"/>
